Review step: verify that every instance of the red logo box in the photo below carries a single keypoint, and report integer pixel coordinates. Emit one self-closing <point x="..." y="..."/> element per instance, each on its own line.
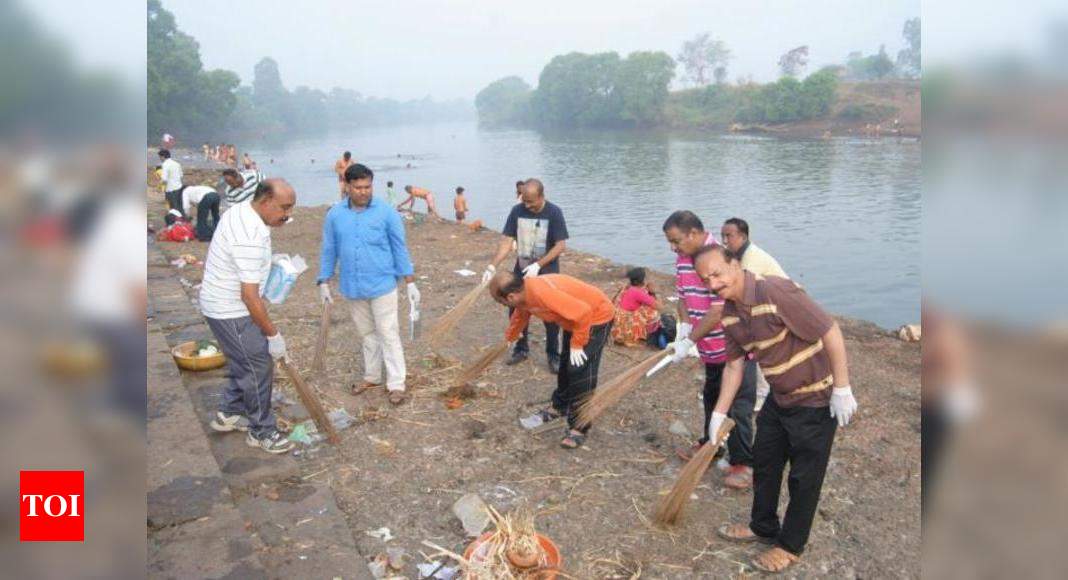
<point x="51" y="506"/>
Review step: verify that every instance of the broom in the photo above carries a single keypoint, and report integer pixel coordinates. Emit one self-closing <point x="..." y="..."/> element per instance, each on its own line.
<point x="670" y="507"/>
<point x="320" y="345"/>
<point x="444" y="326"/>
<point x="475" y="369"/>
<point x="614" y="390"/>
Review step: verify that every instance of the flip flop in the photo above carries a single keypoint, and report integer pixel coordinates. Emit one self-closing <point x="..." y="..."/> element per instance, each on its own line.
<point x="759" y="561"/>
<point x="726" y="533"/>
<point x="397" y="397"/>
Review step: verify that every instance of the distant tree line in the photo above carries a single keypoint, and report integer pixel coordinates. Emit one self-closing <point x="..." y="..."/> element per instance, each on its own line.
<point x="604" y="90"/>
<point x="186" y="100"/>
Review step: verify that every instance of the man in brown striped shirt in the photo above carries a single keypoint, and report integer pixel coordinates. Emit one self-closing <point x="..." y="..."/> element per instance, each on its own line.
<point x="802" y="352"/>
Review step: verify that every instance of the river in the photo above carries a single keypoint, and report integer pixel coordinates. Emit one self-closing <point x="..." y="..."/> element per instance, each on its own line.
<point x="842" y="216"/>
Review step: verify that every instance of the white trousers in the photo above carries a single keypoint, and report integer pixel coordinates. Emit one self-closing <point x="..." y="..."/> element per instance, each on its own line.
<point x="379" y="329"/>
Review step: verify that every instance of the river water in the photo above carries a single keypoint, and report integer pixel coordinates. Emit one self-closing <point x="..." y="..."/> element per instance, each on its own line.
<point x="842" y="216"/>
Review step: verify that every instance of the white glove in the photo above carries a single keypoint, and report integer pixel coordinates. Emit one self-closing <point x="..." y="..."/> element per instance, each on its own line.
<point x="682" y="349"/>
<point x="488" y="274"/>
<point x="276" y="345"/>
<point x="960" y="402"/>
<point x="843" y="405"/>
<point x="578" y="357"/>
<point x="531" y="270"/>
<point x="414" y="297"/>
<point x="683" y="331"/>
<point x="324" y="293"/>
<point x="714" y="424"/>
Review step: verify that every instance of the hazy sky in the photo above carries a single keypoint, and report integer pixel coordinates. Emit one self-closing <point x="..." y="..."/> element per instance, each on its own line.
<point x="452" y="48"/>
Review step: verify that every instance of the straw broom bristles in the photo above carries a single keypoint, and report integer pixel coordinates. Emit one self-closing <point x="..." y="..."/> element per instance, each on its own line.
<point x="670" y="507"/>
<point x="448" y="321"/>
<point x="611" y="392"/>
<point x="475" y="369"/>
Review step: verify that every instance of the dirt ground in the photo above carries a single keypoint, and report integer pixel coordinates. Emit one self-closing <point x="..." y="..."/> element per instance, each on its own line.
<point x="402" y="468"/>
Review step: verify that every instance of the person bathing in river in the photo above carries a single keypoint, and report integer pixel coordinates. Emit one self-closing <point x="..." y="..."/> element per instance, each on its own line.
<point x="423" y="194"/>
<point x="584" y="313"/>
<point x="460" y="205"/>
<point x="339" y="168"/>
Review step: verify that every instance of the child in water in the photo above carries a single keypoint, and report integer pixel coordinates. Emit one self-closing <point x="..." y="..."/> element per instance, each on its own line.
<point x="460" y="205"/>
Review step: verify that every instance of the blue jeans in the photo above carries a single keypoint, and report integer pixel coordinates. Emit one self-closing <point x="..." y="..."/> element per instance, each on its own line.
<point x="251" y="373"/>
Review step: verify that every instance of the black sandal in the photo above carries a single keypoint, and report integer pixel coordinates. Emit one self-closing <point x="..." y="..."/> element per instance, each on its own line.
<point x="573" y="440"/>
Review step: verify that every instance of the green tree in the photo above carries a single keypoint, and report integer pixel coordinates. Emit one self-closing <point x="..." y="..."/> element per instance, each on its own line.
<point x="182" y="97"/>
<point x="908" y="58"/>
<point x="642" y="83"/>
<point x="578" y="89"/>
<point x="866" y="68"/>
<point x="504" y="102"/>
<point x="794" y="61"/>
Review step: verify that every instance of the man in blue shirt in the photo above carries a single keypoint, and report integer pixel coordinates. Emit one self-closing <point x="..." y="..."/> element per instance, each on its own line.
<point x="365" y="235"/>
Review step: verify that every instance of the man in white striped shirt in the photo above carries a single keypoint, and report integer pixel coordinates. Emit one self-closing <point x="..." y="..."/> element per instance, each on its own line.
<point x="240" y="185"/>
<point x="238" y="262"/>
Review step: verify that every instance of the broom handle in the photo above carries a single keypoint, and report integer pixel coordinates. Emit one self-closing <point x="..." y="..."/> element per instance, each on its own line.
<point x="311" y="403"/>
<point x="320" y="345"/>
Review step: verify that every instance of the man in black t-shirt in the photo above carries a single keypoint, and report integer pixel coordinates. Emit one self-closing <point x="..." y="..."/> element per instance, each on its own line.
<point x="539" y="231"/>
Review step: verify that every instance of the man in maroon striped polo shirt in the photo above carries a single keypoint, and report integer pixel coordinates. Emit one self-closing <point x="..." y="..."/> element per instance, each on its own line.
<point x="802" y="352"/>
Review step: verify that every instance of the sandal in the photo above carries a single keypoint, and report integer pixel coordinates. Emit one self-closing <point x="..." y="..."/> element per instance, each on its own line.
<point x="775" y="560"/>
<point x="397" y="397"/>
<point x="742" y="534"/>
<point x="573" y="440"/>
<point x="363" y="387"/>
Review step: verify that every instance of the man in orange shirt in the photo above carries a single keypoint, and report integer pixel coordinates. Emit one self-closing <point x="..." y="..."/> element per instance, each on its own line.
<point x="584" y="313"/>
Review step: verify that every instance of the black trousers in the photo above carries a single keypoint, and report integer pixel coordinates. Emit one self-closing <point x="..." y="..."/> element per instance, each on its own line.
<point x="740" y="443"/>
<point x="552" y="331"/>
<point x="574" y="384"/>
<point x="208" y="207"/>
<point x="174" y="199"/>
<point x="802" y="436"/>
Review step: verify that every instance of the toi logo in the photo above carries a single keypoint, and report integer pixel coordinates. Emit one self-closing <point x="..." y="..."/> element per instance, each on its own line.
<point x="51" y="506"/>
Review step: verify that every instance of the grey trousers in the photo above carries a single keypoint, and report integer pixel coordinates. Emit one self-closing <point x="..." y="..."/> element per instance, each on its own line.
<point x="251" y="373"/>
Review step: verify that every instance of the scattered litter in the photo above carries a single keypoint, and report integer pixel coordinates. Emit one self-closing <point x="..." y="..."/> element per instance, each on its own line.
<point x="432" y="450"/>
<point x="179" y="263"/>
<point x="341" y="418"/>
<point x="300" y="435"/>
<point x="279" y="398"/>
<point x="465" y="272"/>
<point x="398" y="558"/>
<point x="672" y="298"/>
<point x="679" y="428"/>
<point x="303" y="557"/>
<point x="472" y="513"/>
<point x="383" y="446"/>
<point x="379" y="565"/>
<point x="436" y="570"/>
<point x="381" y="533"/>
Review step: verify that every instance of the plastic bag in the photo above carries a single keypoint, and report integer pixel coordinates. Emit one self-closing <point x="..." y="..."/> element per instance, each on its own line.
<point x="284" y="273"/>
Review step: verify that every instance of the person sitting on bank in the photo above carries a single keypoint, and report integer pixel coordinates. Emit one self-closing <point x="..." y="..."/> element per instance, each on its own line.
<point x="802" y="351"/>
<point x="460" y="205"/>
<point x="584" y="313"/>
<point x="637" y="318"/>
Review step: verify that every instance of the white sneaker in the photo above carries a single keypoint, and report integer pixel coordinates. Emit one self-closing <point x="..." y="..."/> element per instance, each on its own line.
<point x="224" y="423"/>
<point x="273" y="443"/>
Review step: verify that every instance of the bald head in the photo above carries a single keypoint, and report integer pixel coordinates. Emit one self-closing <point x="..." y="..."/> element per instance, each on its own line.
<point x="274" y="200"/>
<point x="506" y="288"/>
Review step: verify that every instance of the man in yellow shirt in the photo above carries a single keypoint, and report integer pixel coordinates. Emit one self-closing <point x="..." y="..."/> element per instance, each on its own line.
<point x="735" y="235"/>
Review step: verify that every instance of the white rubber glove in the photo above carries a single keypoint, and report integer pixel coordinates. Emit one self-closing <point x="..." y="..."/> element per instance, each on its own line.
<point x="960" y="402"/>
<point x="531" y="270"/>
<point x="682" y="349"/>
<point x="276" y="345"/>
<point x="578" y="357"/>
<point x="714" y="424"/>
<point x="488" y="273"/>
<point x="324" y="293"/>
<point x="843" y="405"/>
<point x="683" y="331"/>
<point x="414" y="297"/>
